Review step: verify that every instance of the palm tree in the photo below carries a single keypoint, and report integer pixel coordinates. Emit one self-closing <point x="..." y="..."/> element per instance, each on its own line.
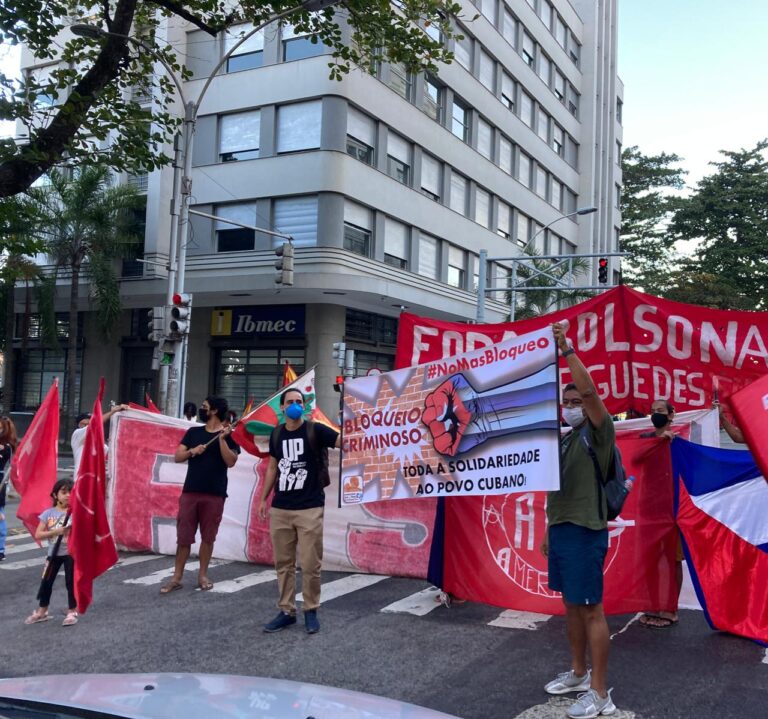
<point x="87" y="224"/>
<point x="551" y="275"/>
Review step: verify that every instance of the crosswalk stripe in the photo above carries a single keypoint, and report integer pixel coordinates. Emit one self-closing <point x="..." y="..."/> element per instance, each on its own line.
<point x="17" y="547"/>
<point x="420" y="604"/>
<point x="512" y="619"/>
<point x="136" y="559"/>
<point x="158" y="576"/>
<point x="23" y="563"/>
<point x="346" y="585"/>
<point x="247" y="580"/>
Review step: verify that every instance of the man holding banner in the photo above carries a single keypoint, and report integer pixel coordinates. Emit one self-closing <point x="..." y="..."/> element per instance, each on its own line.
<point x="577" y="539"/>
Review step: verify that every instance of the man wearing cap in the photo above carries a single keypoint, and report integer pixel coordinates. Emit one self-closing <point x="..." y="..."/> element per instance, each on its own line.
<point x="78" y="436"/>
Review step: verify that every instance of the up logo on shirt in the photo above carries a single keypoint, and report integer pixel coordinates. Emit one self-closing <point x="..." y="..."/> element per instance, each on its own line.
<point x="293" y="448"/>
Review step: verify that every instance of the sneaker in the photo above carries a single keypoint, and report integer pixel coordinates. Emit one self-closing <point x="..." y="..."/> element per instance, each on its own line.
<point x="280" y="622"/>
<point x="568" y="682"/>
<point x="590" y="705"/>
<point x="311" y="624"/>
<point x="2" y="556"/>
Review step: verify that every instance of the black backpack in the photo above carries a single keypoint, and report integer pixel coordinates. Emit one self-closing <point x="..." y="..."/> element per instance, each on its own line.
<point x="321" y="453"/>
<point x="614" y="484"/>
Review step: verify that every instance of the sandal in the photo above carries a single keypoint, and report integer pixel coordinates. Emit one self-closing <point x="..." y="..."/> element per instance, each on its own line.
<point x="655" y="621"/>
<point x="205" y="586"/>
<point x="37" y="616"/>
<point x="70" y="619"/>
<point x="172" y="586"/>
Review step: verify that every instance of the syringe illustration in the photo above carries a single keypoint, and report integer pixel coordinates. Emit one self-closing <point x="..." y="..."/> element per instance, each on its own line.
<point x="460" y="418"/>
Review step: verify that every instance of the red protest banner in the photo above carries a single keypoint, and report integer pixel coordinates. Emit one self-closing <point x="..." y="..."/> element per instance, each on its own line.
<point x="637" y="347"/>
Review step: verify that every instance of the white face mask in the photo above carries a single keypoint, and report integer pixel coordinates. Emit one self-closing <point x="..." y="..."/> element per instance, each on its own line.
<point x="574" y="416"/>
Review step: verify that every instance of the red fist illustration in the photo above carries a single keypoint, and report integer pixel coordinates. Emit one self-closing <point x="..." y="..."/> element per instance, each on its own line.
<point x="447" y="417"/>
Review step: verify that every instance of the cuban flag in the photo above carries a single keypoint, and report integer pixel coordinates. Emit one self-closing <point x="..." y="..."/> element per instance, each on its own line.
<point x="722" y="512"/>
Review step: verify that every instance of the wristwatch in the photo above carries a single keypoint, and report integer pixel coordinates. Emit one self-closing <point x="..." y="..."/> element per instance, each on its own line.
<point x="569" y="351"/>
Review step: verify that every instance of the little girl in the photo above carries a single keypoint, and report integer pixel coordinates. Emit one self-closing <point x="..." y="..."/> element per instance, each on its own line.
<point x="51" y="527"/>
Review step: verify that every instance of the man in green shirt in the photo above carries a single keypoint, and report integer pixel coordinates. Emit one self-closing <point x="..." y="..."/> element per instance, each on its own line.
<point x="577" y="540"/>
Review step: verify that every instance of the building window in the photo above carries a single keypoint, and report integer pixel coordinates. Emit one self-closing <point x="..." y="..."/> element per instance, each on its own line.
<point x="298" y="126"/>
<point x="250" y="54"/>
<point x="526" y="108"/>
<point x="504" y="221"/>
<point x="487" y="71"/>
<point x="358" y="228"/>
<point x="297" y="46"/>
<point x="462" y="50"/>
<point x="545" y="68"/>
<point x="429" y="265"/>
<point x="503" y="277"/>
<point x="574" y="49"/>
<point x="400" y="80"/>
<point x="571" y="151"/>
<point x="483" y="208"/>
<point x="296" y="216"/>
<point x="558" y="139"/>
<point x="571" y="201"/>
<point x="524" y="169"/>
<point x="541" y="182"/>
<point x="361" y="136"/>
<point x="545" y="13"/>
<point x="366" y="361"/>
<point x="619" y="110"/>
<point x="399" y="158"/>
<point x="396" y="244"/>
<point x="431" y="177"/>
<point x="459" y="193"/>
<point x="505" y="154"/>
<point x="434" y="99"/>
<point x="573" y="101"/>
<point x="557" y="194"/>
<point x="523" y="230"/>
<point x="369" y="327"/>
<point x="488" y="8"/>
<point x="559" y="86"/>
<point x="528" y="50"/>
<point x="617" y="195"/>
<point x="509" y="27"/>
<point x="484" y="139"/>
<point x="460" y="124"/>
<point x="37" y="370"/>
<point x="561" y="32"/>
<point x="457" y="267"/>
<point x="243" y="373"/>
<point x="239" y="136"/>
<point x="229" y="237"/>
<point x="542" y="125"/>
<point x="508" y="92"/>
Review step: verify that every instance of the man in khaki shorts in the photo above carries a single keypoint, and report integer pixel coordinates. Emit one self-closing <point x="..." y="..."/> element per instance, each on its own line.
<point x="296" y="519"/>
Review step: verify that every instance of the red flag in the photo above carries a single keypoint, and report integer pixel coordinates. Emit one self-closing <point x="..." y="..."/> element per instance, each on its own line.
<point x="750" y="406"/>
<point x="33" y="469"/>
<point x="289" y="375"/>
<point x="90" y="540"/>
<point x="151" y="406"/>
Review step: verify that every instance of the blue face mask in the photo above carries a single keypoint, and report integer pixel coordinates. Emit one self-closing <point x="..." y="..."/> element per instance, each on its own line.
<point x="294" y="411"/>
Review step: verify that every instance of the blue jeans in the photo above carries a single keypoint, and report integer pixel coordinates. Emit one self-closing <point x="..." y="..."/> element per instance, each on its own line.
<point x="3" y="529"/>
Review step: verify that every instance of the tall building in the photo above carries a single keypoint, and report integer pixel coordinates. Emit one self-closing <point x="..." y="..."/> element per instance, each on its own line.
<point x="390" y="184"/>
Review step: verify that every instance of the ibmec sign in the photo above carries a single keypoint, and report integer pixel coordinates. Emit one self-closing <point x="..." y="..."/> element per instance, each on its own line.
<point x="256" y="321"/>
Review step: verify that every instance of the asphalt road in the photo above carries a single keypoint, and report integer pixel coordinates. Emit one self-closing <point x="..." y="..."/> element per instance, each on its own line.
<point x="385" y="636"/>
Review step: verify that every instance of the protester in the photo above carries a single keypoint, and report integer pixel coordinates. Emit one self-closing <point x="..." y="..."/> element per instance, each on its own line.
<point x="190" y="411"/>
<point x="577" y="539"/>
<point x="297" y="450"/>
<point x="8" y="443"/>
<point x="730" y="428"/>
<point x="210" y="452"/>
<point x="54" y="524"/>
<point x="78" y="436"/>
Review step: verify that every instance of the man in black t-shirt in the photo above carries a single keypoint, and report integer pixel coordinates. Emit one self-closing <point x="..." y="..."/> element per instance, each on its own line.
<point x="296" y="517"/>
<point x="202" y="500"/>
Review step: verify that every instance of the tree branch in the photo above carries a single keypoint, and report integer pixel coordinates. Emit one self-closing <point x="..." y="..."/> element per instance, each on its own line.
<point x="182" y="12"/>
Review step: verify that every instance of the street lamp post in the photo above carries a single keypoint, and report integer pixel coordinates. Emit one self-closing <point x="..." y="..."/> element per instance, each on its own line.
<point x="182" y="187"/>
<point x="482" y="280"/>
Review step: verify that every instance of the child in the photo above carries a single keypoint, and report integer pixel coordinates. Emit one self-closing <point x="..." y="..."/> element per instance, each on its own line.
<point x="52" y="526"/>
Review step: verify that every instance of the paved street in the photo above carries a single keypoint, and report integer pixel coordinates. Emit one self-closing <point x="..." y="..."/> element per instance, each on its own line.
<point x="382" y="635"/>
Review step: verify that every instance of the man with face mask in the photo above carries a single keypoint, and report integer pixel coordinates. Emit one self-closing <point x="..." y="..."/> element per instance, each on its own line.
<point x="662" y="416"/>
<point x="296" y="516"/>
<point x="210" y="452"/>
<point x="577" y="540"/>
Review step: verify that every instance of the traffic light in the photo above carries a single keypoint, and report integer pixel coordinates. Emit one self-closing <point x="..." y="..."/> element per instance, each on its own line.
<point x="339" y="350"/>
<point x="180" y="314"/>
<point x="602" y="270"/>
<point x="338" y="383"/>
<point x="156" y="324"/>
<point x="284" y="263"/>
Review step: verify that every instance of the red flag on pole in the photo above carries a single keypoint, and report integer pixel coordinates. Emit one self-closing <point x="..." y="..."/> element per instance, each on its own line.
<point x="34" y="465"/>
<point x="750" y="407"/>
<point x="90" y="540"/>
<point x="151" y="406"/>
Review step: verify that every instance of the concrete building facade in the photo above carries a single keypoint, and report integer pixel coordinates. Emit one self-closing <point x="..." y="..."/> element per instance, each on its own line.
<point x="390" y="184"/>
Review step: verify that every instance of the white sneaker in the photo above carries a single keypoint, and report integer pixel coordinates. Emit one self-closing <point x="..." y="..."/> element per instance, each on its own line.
<point x="590" y="705"/>
<point x="568" y="682"/>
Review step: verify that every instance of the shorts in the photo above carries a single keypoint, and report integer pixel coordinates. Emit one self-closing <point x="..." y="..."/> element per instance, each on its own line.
<point x="576" y="558"/>
<point x="198" y="509"/>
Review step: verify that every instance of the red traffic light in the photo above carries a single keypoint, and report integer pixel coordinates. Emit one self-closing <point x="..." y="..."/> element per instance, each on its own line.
<point x="603" y="262"/>
<point x="181" y="298"/>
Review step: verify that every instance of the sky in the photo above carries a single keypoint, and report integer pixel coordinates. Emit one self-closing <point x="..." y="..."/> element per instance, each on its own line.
<point x="693" y="73"/>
